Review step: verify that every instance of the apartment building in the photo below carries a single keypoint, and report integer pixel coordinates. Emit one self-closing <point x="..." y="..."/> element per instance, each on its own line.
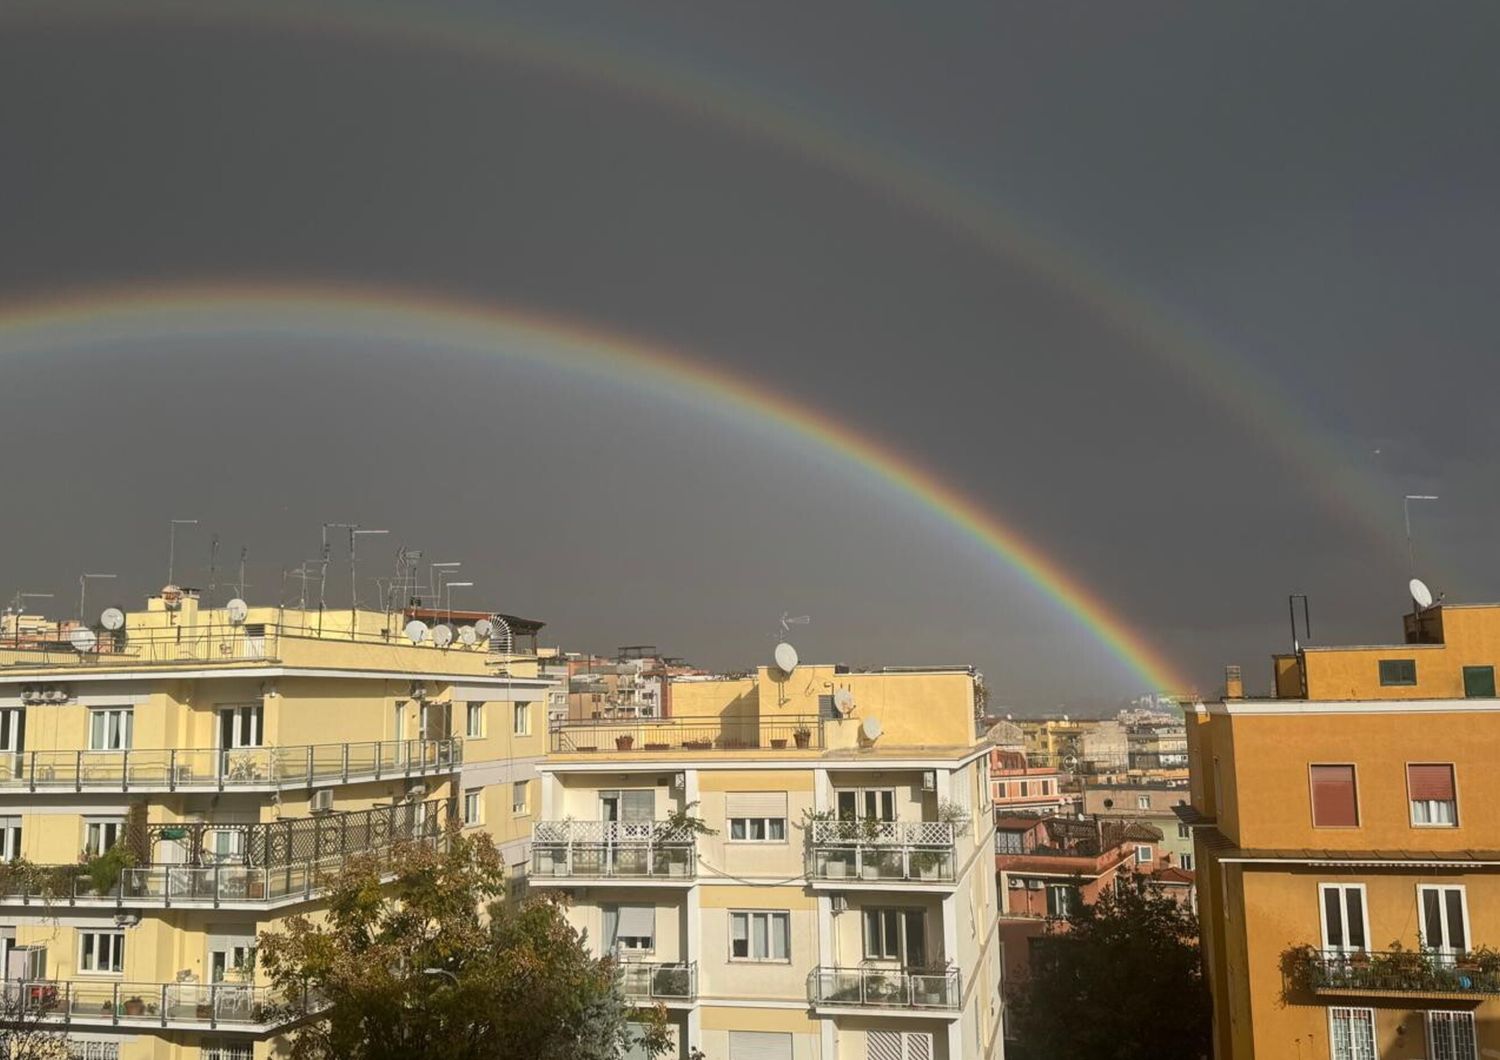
<point x="1349" y="849"/>
<point x="797" y="865"/>
<point x="1154" y="804"/>
<point x="1020" y="787"/>
<point x="175" y="780"/>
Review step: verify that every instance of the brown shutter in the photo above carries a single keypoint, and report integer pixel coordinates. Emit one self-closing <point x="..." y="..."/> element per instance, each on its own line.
<point x="1334" y="804"/>
<point x="1430" y="782"/>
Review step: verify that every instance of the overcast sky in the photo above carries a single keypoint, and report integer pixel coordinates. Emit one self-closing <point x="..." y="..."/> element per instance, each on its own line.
<point x="1310" y="193"/>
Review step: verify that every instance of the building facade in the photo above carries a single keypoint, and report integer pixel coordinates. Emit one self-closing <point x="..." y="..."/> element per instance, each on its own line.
<point x="174" y="781"/>
<point x="796" y="865"/>
<point x="1349" y="851"/>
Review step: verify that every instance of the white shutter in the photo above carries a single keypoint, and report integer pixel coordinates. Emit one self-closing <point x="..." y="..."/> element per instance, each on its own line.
<point x="759" y="1045"/>
<point x="918" y="1045"/>
<point x="898" y="1045"/>
<point x="755" y="804"/>
<point x="637" y="921"/>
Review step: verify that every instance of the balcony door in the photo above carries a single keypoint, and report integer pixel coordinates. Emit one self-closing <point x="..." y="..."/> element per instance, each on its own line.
<point x="12" y="739"/>
<point x="631" y="810"/>
<point x="859" y="804"/>
<point x="242" y="726"/>
<point x="1346" y="927"/>
<point x="898" y="935"/>
<point x="1445" y="919"/>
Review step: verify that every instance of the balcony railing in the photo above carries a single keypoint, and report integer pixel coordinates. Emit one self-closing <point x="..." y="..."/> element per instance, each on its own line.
<point x="679" y="734"/>
<point x="210" y="769"/>
<point x="885" y="988"/>
<point x="882" y="850"/>
<point x="113" y="1003"/>
<point x="1392" y="972"/>
<point x="602" y="849"/>
<point x="653" y="981"/>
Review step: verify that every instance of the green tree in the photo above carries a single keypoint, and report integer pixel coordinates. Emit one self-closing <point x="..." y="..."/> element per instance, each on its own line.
<point x="1122" y="981"/>
<point x="435" y="964"/>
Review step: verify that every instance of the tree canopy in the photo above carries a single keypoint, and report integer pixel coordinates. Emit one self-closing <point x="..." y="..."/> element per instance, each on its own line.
<point x="1122" y="981"/>
<point x="436" y="964"/>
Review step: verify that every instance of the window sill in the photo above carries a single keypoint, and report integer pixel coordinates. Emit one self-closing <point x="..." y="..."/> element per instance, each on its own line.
<point x="757" y="842"/>
<point x="760" y="960"/>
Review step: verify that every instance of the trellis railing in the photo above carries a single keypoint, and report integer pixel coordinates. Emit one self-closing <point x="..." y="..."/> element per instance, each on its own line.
<point x="882" y="850"/>
<point x="631" y="849"/>
<point x="872" y="987"/>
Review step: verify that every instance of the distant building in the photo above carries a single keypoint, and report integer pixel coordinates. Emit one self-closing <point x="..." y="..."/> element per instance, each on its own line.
<point x="635" y="683"/>
<point x="1021" y="788"/>
<point x="1152" y="804"/>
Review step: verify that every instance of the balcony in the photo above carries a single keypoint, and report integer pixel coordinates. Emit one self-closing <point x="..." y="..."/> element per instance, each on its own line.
<point x="1393" y="973"/>
<point x="240" y="769"/>
<point x="109" y="1003"/>
<point x="689" y="734"/>
<point x="603" y="850"/>
<point x="882" y="851"/>
<point x="653" y="981"/>
<point x="886" y="989"/>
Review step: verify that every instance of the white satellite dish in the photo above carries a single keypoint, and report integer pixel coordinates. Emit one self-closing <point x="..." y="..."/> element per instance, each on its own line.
<point x="483" y="628"/>
<point x="844" y="700"/>
<point x="416" y="631"/>
<point x="871" y="728"/>
<point x="112" y="619"/>
<point x="467" y="635"/>
<point x="1420" y="593"/>
<point x="442" y="635"/>
<point x="786" y="658"/>
<point x="238" y="610"/>
<point x="83" y="640"/>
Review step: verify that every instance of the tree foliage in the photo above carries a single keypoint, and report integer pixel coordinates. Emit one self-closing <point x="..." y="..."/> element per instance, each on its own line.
<point x="1122" y="981"/>
<point x="435" y="964"/>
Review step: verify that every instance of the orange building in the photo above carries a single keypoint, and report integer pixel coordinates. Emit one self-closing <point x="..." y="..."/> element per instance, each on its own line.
<point x="1348" y="849"/>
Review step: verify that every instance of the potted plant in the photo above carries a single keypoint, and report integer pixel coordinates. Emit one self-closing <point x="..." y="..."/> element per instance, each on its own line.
<point x="135" y="1006"/>
<point x="777" y="745"/>
<point x="624" y="742"/>
<point x="697" y="745"/>
<point x="803" y="735"/>
<point x="681" y="827"/>
<point x="104" y="870"/>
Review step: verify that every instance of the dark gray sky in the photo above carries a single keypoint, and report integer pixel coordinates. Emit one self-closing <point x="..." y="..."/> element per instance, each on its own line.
<point x="1311" y="192"/>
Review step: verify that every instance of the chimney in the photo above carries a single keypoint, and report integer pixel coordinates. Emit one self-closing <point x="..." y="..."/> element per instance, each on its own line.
<point x="1234" y="684"/>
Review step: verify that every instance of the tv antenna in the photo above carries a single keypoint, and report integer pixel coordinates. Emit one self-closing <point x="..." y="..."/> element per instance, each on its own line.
<point x="1291" y="607"/>
<point x="172" y="547"/>
<point x="18" y="604"/>
<point x="1411" y="552"/>
<point x="83" y="585"/>
<point x="787" y="623"/>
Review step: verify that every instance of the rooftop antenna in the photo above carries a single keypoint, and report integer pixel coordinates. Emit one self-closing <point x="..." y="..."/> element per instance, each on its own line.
<point x="1291" y="607"/>
<point x="354" y="533"/>
<point x="323" y="569"/>
<point x="83" y="584"/>
<point x="18" y="604"/>
<point x="437" y="572"/>
<point x="213" y="568"/>
<point x="450" y="587"/>
<point x="172" y="547"/>
<point x="239" y="589"/>
<point x="788" y="623"/>
<point x="1411" y="552"/>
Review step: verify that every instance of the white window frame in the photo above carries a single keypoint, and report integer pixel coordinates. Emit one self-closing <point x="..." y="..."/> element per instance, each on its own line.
<point x="474" y="721"/>
<point x="116" y="949"/>
<point x="1450" y="1050"/>
<point x="1369" y="1054"/>
<point x="473" y="807"/>
<point x="902" y="941"/>
<point x="521" y="719"/>
<point x="743" y="829"/>
<point x="770" y="916"/>
<point x="121" y="732"/>
<point x="1061" y="896"/>
<point x="1185" y="862"/>
<point x="102" y="827"/>
<point x="1364" y="911"/>
<point x="1142" y="853"/>
<point x="1463" y="898"/>
<point x="10" y="840"/>
<point x="634" y="945"/>
<point x="1412" y="803"/>
<point x="247" y="726"/>
<point x="862" y="797"/>
<point x="1143" y="802"/>
<point x="522" y="808"/>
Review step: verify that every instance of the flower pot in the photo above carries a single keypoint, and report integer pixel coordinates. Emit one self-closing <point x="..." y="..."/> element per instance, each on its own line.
<point x="803" y="739"/>
<point x="624" y="743"/>
<point x="778" y="744"/>
<point x="135" y="1007"/>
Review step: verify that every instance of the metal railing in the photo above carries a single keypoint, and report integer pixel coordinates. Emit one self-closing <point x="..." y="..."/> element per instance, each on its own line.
<point x="117" y="1003"/>
<point x="626" y="849"/>
<point x="212" y="769"/>
<point x="657" y="981"/>
<point x="882" y="850"/>
<point x="679" y="734"/>
<point x="1395" y="971"/>
<point x="870" y="987"/>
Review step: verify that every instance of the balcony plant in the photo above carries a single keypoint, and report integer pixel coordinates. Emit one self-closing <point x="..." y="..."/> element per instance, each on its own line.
<point x="674" y="826"/>
<point x="134" y="1006"/>
<point x="104" y="870"/>
<point x="624" y="742"/>
<point x="803" y="737"/>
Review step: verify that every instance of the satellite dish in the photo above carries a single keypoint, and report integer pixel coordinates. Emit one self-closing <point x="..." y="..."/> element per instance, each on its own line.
<point x="871" y="728"/>
<point x="467" y="635"/>
<point x="238" y="610"/>
<point x="416" y="631"/>
<point x="112" y="619"/>
<point x="83" y="640"/>
<point x="442" y="635"/>
<point x="786" y="658"/>
<point x="844" y="700"/>
<point x="483" y="628"/>
<point x="1420" y="593"/>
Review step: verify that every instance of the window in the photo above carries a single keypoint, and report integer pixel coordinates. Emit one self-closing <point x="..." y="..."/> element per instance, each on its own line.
<point x="522" y="719"/>
<point x="1143" y="802"/>
<point x="475" y="727"/>
<point x="242" y="726"/>
<point x="1025" y="788"/>
<point x="632" y="805"/>
<point x="760" y="936"/>
<point x="519" y="798"/>
<point x="1450" y="1036"/>
<point x="1398" y="671"/>
<point x="896" y="935"/>
<point x="756" y="816"/>
<point x="855" y="804"/>
<point x="101" y="833"/>
<point x="227" y="1051"/>
<point x="1334" y="800"/>
<point x="1479" y="682"/>
<point x="1445" y="918"/>
<point x="1185" y="861"/>
<point x="898" y="1045"/>
<point x="101" y="952"/>
<point x="1060" y="899"/>
<point x="101" y="1049"/>
<point x="473" y="807"/>
<point x="629" y="927"/>
<point x="109" y="730"/>
<point x="1009" y="842"/>
<point x="12" y="730"/>
<point x="1434" y="799"/>
<point x="1142" y="854"/>
<point x="1345" y="923"/>
<point x="760" y="1045"/>
<point x="1351" y="1033"/>
<point x="10" y="838"/>
<point x="1183" y="831"/>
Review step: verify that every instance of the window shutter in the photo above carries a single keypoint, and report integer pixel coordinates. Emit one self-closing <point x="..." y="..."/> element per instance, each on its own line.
<point x="637" y="921"/>
<point x="755" y="804"/>
<point x="759" y="1045"/>
<point x="898" y="1045"/>
<point x="1430" y="782"/>
<point x="1333" y="798"/>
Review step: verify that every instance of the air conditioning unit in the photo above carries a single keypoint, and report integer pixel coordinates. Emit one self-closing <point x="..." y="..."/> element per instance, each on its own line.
<point x="1016" y="883"/>
<point x="416" y="791"/>
<point x="929" y="780"/>
<point x="1033" y="885"/>
<point x="322" y="801"/>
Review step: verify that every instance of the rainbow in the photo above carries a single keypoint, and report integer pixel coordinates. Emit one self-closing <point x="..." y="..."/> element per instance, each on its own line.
<point x="105" y="317"/>
<point x="1339" y="478"/>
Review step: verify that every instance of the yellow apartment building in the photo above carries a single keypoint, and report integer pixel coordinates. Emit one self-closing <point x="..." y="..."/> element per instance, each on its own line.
<point x="843" y="904"/>
<point x="1348" y="848"/>
<point x="233" y="756"/>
